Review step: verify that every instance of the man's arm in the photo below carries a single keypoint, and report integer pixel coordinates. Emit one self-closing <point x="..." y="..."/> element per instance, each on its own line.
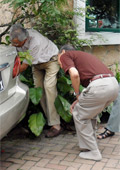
<point x="23" y="67"/>
<point x="75" y="78"/>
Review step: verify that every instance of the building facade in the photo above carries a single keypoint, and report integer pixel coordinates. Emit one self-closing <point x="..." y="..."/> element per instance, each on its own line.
<point x="101" y="24"/>
<point x="102" y="29"/>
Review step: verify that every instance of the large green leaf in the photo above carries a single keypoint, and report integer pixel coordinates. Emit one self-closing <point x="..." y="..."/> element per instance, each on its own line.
<point x="65" y="79"/>
<point x="81" y="88"/>
<point x="35" y="95"/>
<point x="64" y="85"/>
<point x="36" y="123"/>
<point x="23" y="79"/>
<point x="63" y="108"/>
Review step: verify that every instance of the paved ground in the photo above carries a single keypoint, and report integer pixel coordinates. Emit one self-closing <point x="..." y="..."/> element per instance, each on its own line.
<point x="59" y="153"/>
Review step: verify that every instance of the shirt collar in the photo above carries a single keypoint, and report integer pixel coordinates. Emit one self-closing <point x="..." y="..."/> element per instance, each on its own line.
<point x="27" y="43"/>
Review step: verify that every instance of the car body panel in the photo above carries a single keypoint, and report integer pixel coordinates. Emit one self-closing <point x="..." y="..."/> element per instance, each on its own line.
<point x="14" y="95"/>
<point x="13" y="109"/>
<point x="7" y="55"/>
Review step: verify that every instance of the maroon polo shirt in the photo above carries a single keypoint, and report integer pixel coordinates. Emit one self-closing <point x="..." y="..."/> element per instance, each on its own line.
<point x="87" y="65"/>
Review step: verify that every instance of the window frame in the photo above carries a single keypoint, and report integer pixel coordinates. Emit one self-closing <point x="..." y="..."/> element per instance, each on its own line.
<point x="88" y="29"/>
<point x="109" y="38"/>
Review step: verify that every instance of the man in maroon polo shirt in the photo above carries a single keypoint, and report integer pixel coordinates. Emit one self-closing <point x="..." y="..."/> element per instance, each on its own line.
<point x="101" y="88"/>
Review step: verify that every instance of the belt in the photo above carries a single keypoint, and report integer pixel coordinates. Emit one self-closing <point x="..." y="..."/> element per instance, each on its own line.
<point x="53" y="58"/>
<point x="100" y="76"/>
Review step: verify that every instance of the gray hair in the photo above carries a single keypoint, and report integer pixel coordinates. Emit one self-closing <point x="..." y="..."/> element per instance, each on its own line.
<point x="66" y="47"/>
<point x="17" y="31"/>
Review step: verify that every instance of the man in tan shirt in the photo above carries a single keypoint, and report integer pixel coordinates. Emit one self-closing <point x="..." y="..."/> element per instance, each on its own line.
<point x="44" y="67"/>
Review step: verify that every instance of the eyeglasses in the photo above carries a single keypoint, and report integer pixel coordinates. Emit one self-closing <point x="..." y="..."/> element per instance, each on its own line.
<point x="17" y="43"/>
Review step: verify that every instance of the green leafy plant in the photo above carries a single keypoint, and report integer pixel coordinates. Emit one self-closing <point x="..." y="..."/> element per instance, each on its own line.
<point x="25" y="80"/>
<point x="36" y="123"/>
<point x="25" y="56"/>
<point x="27" y="77"/>
<point x="63" y="108"/>
<point x="35" y="95"/>
<point x="64" y="85"/>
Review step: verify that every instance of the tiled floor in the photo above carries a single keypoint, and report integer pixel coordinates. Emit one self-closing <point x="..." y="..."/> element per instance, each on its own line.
<point x="59" y="153"/>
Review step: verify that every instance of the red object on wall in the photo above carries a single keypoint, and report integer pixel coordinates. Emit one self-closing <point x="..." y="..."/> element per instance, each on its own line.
<point x="100" y="23"/>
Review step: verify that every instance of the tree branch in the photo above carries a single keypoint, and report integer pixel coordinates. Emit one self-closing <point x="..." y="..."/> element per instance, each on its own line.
<point x="8" y="25"/>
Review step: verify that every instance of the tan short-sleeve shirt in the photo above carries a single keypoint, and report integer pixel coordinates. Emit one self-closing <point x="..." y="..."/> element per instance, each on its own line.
<point x="40" y="47"/>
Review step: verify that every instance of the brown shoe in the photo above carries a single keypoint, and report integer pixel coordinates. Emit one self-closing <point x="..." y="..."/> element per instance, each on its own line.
<point x="53" y="132"/>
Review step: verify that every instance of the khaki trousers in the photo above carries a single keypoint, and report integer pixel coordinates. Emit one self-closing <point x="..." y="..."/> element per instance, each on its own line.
<point x="45" y="76"/>
<point x="99" y="94"/>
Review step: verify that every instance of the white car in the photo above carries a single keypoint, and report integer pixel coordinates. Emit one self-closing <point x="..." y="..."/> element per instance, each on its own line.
<point x="14" y="95"/>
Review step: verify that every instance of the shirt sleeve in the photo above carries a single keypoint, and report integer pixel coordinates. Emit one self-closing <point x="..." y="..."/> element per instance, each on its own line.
<point x="67" y="62"/>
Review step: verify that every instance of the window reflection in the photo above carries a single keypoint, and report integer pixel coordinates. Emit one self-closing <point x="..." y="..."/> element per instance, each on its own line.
<point x="105" y="14"/>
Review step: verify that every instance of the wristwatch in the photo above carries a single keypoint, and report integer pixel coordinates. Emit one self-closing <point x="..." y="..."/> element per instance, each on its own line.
<point x="76" y="94"/>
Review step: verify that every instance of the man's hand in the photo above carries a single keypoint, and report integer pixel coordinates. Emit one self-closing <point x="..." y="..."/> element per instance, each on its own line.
<point x="23" y="67"/>
<point x="73" y="105"/>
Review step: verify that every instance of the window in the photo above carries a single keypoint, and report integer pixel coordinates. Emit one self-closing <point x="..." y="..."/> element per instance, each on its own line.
<point x="103" y="15"/>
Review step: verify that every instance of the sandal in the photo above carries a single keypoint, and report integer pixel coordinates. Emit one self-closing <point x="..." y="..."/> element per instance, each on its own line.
<point x="105" y="134"/>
